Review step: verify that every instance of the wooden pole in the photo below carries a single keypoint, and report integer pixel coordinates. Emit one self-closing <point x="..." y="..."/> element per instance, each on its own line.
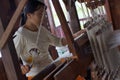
<point x="10" y="60"/>
<point x="74" y="21"/>
<point x="65" y="27"/>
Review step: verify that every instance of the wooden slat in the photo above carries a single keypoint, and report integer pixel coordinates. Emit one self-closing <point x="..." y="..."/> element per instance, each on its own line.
<point x="10" y="60"/>
<point x="65" y="27"/>
<point x="51" y="75"/>
<point x="11" y="24"/>
<point x="45" y="72"/>
<point x="69" y="72"/>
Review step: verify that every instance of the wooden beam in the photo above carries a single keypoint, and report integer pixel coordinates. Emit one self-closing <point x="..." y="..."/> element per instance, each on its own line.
<point x="65" y="27"/>
<point x="11" y="24"/>
<point x="10" y="60"/>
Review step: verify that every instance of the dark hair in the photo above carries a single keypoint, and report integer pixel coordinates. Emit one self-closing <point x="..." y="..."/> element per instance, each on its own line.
<point x="31" y="7"/>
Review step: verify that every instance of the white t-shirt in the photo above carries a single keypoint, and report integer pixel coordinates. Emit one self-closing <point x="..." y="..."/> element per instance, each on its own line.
<point x="25" y="43"/>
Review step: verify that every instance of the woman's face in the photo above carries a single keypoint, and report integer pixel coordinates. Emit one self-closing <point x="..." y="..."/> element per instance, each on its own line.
<point x="35" y="18"/>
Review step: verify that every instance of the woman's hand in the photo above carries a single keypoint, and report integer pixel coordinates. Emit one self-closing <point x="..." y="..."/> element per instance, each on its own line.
<point x="25" y="69"/>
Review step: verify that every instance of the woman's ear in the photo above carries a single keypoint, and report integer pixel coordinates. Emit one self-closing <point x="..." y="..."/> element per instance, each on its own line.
<point x="29" y="15"/>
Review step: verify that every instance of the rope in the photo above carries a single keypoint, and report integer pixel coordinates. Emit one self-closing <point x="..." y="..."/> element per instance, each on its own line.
<point x="37" y="39"/>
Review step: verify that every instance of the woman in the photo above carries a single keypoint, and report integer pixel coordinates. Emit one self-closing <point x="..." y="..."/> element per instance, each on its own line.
<point x="32" y="39"/>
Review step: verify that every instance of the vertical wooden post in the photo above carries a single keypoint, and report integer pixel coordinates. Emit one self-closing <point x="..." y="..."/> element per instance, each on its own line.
<point x="114" y="6"/>
<point x="65" y="27"/>
<point x="107" y="7"/>
<point x="74" y="21"/>
<point x="9" y="56"/>
<point x="10" y="60"/>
